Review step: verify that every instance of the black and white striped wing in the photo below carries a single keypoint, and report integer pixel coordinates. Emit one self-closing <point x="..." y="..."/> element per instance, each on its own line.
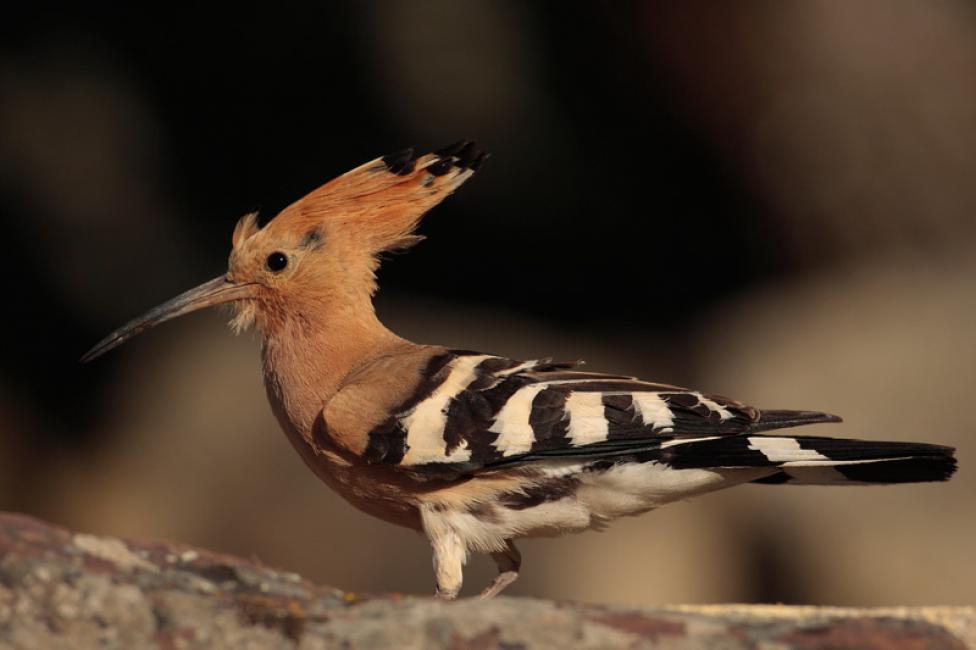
<point x="477" y="411"/>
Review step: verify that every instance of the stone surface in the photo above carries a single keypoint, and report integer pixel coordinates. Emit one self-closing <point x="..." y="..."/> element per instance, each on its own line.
<point x="60" y="589"/>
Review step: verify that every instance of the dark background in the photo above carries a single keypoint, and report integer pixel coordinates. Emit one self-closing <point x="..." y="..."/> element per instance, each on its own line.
<point x="774" y="198"/>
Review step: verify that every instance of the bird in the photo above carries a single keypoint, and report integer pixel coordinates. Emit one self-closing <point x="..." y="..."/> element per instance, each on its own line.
<point x="476" y="450"/>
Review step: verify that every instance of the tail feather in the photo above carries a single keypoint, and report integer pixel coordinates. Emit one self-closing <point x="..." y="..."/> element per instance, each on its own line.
<point x="815" y="460"/>
<point x="769" y="420"/>
<point x="808" y="460"/>
<point x="830" y="461"/>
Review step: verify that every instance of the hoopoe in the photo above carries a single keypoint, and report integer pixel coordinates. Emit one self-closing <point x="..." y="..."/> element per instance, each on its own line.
<point x="476" y="450"/>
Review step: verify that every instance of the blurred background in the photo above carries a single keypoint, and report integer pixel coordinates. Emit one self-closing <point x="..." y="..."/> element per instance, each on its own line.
<point x="774" y="200"/>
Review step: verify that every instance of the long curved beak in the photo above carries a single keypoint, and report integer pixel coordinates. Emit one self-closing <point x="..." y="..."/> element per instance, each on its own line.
<point x="217" y="291"/>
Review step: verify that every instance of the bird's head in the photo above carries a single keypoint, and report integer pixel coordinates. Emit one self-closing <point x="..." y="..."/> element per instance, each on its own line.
<point x="321" y="252"/>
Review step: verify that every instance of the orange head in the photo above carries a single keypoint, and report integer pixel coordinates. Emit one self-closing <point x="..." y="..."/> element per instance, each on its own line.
<point x="322" y="251"/>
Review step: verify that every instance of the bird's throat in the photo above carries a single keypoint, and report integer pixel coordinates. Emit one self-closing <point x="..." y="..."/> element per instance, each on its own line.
<point x="305" y="361"/>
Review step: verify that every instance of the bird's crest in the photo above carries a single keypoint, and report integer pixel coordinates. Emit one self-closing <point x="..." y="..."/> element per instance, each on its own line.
<point x="377" y="204"/>
<point x="246" y="226"/>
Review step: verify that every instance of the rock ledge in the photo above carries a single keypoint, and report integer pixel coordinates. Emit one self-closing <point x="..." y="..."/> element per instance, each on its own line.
<point x="60" y="589"/>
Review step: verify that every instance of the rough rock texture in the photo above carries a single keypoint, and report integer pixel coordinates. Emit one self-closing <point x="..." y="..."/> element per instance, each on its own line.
<point x="60" y="589"/>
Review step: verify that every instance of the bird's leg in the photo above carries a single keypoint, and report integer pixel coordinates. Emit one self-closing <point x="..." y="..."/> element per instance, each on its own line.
<point x="508" y="562"/>
<point x="450" y="555"/>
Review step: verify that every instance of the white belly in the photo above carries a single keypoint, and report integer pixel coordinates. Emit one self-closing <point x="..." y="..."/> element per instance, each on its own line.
<point x="632" y="488"/>
<point x="599" y="497"/>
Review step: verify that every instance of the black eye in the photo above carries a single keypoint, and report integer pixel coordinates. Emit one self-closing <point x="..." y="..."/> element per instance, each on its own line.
<point x="277" y="261"/>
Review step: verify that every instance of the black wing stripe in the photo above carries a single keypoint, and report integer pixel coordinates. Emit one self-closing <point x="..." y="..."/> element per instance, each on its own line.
<point x="548" y="420"/>
<point x="387" y="443"/>
<point x="620" y="415"/>
<point x="470" y="414"/>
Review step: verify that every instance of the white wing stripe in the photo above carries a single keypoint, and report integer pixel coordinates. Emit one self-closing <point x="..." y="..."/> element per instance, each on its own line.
<point x="587" y="422"/>
<point x="685" y="441"/>
<point x="526" y="365"/>
<point x="425" y="423"/>
<point x="653" y="410"/>
<point x="714" y="406"/>
<point x="515" y="434"/>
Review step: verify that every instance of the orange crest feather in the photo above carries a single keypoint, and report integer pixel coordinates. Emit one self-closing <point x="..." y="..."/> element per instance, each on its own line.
<point x="382" y="201"/>
<point x="245" y="228"/>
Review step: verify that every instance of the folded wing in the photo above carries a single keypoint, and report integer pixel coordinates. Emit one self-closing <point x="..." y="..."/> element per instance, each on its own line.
<point x="475" y="412"/>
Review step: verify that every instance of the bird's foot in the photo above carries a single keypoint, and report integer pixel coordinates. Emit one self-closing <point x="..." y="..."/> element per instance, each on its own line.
<point x="502" y="580"/>
<point x="441" y="594"/>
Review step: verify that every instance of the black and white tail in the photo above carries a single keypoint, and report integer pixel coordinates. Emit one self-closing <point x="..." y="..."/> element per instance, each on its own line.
<point x="812" y="460"/>
<point x="807" y="460"/>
